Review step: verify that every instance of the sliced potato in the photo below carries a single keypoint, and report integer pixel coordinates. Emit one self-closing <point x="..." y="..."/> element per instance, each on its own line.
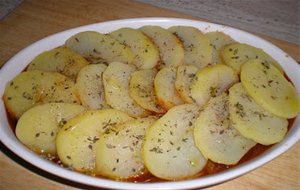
<point x="197" y="49"/>
<point x="270" y="89"/>
<point x="37" y="87"/>
<point x="141" y="89"/>
<point x="164" y="85"/>
<point x="169" y="151"/>
<point x="75" y="142"/>
<point x="37" y="127"/>
<point x="218" y="40"/>
<point x="99" y="48"/>
<point x="118" y="152"/>
<point x="170" y="48"/>
<point x="211" y="82"/>
<point x="236" y="54"/>
<point x="116" y="87"/>
<point x="215" y="136"/>
<point x="146" y="54"/>
<point x="252" y="121"/>
<point x="184" y="77"/>
<point x="89" y="85"/>
<point x="61" y="59"/>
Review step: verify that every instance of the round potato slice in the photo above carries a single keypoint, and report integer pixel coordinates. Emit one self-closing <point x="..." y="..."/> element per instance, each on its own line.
<point x="184" y="77"/>
<point x="270" y="89"/>
<point x="37" y="127"/>
<point x="75" y="142"/>
<point x="236" y="54"/>
<point x="37" y="87"/>
<point x="99" y="48"/>
<point x="218" y="40"/>
<point x="146" y="54"/>
<point x="169" y="151"/>
<point x="197" y="48"/>
<point x="61" y="60"/>
<point x="252" y="121"/>
<point x="170" y="48"/>
<point x="164" y="86"/>
<point x="211" y="82"/>
<point x="116" y="87"/>
<point x="118" y="152"/>
<point x="141" y="90"/>
<point x="89" y="85"/>
<point x="215" y="136"/>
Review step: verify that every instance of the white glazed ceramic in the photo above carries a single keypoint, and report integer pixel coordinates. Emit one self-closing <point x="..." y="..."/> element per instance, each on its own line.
<point x="17" y="63"/>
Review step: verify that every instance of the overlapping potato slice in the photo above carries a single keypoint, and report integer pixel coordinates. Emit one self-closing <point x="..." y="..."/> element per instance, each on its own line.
<point x="141" y="90"/>
<point x="37" y="87"/>
<point x="37" y="127"/>
<point x="169" y="151"/>
<point x="61" y="59"/>
<point x="211" y="82"/>
<point x="218" y="40"/>
<point x="75" y="142"/>
<point x="184" y="77"/>
<point x="215" y="136"/>
<point x="197" y="48"/>
<point x="164" y="85"/>
<point x="270" y="89"/>
<point x="146" y="54"/>
<point x="89" y="85"/>
<point x="99" y="48"/>
<point x="236" y="54"/>
<point x="252" y="121"/>
<point x="116" y="87"/>
<point x="118" y="152"/>
<point x="170" y="48"/>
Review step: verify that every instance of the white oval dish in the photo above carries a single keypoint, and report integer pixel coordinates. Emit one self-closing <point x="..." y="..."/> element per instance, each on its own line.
<point x="17" y="64"/>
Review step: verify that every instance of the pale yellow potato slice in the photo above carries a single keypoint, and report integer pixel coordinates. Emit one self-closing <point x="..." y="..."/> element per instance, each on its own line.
<point x="236" y="54"/>
<point x="169" y="150"/>
<point x="99" y="48"/>
<point x="170" y="48"/>
<point x="211" y="82"/>
<point x="37" y="87"/>
<point x="184" y="77"/>
<point x="197" y="48"/>
<point x="89" y="85"/>
<point x="252" y="121"/>
<point x="270" y="89"/>
<point x="37" y="127"/>
<point x="116" y="87"/>
<point x="61" y="60"/>
<point x="118" y="152"/>
<point x="164" y="85"/>
<point x="215" y="136"/>
<point x="146" y="54"/>
<point x="75" y="142"/>
<point x="141" y="90"/>
<point x="218" y="40"/>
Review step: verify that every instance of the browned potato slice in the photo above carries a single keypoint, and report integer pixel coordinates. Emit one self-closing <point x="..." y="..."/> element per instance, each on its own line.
<point x="116" y="87"/>
<point x="170" y="48"/>
<point x="146" y="54"/>
<point x="99" y="48"/>
<point x="90" y="88"/>
<point x="164" y="85"/>
<point x="37" y="87"/>
<point x="236" y="54"/>
<point x="218" y="40"/>
<point x="215" y="136"/>
<point x="62" y="60"/>
<point x="184" y="77"/>
<point x="197" y="48"/>
<point x="141" y="89"/>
